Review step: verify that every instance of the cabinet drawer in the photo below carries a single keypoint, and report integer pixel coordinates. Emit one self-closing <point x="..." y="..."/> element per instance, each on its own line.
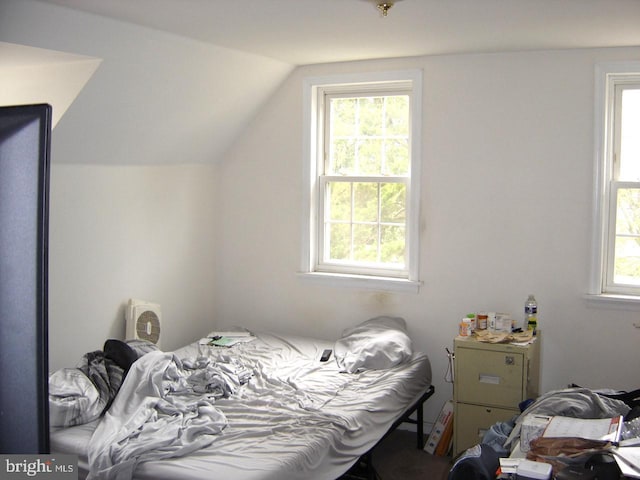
<point x="489" y="378"/>
<point x="472" y="421"/>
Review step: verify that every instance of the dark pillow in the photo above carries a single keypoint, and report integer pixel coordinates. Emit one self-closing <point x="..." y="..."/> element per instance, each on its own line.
<point x="119" y="353"/>
<point x="142" y="347"/>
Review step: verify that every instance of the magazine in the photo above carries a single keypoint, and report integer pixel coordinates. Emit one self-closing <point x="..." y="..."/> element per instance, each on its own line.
<point x="605" y="429"/>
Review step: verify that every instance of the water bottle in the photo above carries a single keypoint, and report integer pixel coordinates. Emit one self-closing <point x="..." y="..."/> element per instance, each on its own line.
<point x="531" y="314"/>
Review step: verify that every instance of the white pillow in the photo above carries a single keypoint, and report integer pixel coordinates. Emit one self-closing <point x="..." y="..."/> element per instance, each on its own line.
<point x="376" y="344"/>
<point x="73" y="398"/>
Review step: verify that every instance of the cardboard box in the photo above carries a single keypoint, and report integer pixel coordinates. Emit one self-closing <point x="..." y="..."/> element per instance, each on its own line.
<point x="444" y="419"/>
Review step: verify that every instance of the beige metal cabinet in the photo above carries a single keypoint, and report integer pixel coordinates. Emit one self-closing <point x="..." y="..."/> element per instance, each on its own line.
<point x="490" y="381"/>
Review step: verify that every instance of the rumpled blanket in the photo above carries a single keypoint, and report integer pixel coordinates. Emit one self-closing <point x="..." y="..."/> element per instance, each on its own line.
<point x="165" y="408"/>
<point x="80" y="395"/>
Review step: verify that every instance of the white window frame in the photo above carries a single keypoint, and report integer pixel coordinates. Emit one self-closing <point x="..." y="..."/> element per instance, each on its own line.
<point x="601" y="286"/>
<point x="313" y="93"/>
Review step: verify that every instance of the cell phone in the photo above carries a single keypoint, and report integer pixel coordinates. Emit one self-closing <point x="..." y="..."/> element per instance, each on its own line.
<point x="325" y="355"/>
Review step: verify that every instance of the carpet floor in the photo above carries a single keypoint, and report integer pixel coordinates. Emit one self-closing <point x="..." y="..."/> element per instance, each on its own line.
<point x="397" y="458"/>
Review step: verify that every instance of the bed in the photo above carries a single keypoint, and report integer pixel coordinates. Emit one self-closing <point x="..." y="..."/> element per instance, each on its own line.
<point x="293" y="417"/>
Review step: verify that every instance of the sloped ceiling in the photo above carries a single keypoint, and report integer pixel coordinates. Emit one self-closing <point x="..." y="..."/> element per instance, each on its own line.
<point x="317" y="31"/>
<point x="157" y="98"/>
<point x="180" y="79"/>
<point x="34" y="75"/>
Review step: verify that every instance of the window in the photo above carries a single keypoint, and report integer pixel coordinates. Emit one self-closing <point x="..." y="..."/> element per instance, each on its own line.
<point x="361" y="173"/>
<point x="617" y="236"/>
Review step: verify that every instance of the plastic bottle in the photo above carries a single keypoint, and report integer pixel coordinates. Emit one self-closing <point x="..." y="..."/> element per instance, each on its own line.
<point x="531" y="314"/>
<point x="465" y="327"/>
<point x="491" y="321"/>
<point x="472" y="319"/>
<point x="482" y="321"/>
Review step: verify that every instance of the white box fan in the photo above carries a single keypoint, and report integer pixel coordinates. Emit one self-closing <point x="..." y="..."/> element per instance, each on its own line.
<point x="143" y="321"/>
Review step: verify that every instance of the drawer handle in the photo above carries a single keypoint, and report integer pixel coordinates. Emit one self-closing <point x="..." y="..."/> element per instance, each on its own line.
<point x="491" y="379"/>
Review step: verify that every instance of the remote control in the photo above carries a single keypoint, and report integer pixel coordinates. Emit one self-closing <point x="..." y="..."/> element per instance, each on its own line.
<point x="325" y="355"/>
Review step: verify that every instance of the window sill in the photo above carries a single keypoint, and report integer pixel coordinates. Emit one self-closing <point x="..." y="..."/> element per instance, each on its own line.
<point x="361" y="281"/>
<point x="623" y="302"/>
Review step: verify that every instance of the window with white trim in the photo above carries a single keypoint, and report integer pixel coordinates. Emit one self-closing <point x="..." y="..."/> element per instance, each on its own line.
<point x="362" y="170"/>
<point x="617" y="240"/>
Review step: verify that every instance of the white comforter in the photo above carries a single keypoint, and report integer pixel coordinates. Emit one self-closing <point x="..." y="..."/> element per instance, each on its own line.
<point x="296" y="419"/>
<point x="165" y="408"/>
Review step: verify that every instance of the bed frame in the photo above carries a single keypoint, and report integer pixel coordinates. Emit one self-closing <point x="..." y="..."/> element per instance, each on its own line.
<point x="364" y="469"/>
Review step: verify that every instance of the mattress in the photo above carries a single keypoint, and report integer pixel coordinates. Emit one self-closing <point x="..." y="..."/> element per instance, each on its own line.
<point x="297" y="418"/>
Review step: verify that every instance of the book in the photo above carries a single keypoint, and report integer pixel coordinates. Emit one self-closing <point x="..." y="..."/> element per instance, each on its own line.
<point x="231" y="333"/>
<point x="605" y="429"/>
<point x="626" y="452"/>
<point x="226" y="339"/>
<point x="628" y="459"/>
<point x="445" y="417"/>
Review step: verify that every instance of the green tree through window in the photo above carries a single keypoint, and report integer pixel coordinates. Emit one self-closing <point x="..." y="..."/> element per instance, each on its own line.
<point x="367" y="170"/>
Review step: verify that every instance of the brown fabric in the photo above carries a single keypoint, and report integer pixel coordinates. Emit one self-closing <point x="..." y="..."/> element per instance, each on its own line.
<point x="562" y="452"/>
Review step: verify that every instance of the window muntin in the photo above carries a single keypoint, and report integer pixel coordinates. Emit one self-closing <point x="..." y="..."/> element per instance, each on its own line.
<point x="363" y="171"/>
<point x="624" y="231"/>
<point x="364" y="224"/>
<point x="625" y="259"/>
<point x="628" y="103"/>
<point x="364" y="183"/>
<point x="619" y="198"/>
<point x="367" y="135"/>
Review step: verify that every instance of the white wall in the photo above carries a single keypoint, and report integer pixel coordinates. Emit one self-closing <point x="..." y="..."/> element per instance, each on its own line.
<point x="117" y="230"/>
<point x="506" y="211"/>
<point x="120" y="232"/>
<point x="156" y="98"/>
<point x="506" y="201"/>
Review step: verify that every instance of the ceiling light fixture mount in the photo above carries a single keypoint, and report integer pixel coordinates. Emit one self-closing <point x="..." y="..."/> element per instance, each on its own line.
<point x="384" y="7"/>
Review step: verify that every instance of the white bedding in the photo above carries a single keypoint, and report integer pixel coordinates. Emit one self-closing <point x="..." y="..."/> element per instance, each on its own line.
<point x="297" y="418"/>
<point x="165" y="408"/>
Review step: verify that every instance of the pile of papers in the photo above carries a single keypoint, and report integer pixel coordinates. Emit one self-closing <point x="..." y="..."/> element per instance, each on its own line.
<point x="605" y="429"/>
<point x="626" y="452"/>
<point x="628" y="459"/>
<point x="516" y="338"/>
<point x="227" y="339"/>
